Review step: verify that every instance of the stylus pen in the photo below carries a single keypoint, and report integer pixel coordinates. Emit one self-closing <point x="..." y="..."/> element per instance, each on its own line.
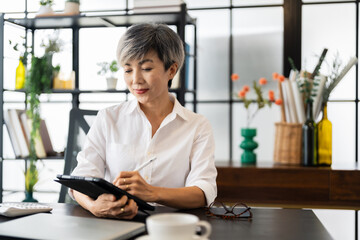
<point x="145" y="164"/>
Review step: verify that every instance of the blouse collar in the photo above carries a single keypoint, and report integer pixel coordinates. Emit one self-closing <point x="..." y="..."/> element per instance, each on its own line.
<point x="177" y="109"/>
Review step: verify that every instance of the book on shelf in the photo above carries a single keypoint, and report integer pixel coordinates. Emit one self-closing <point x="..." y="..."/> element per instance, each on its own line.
<point x="24" y="124"/>
<point x="39" y="146"/>
<point x="286" y="103"/>
<point x="19" y="133"/>
<point x="19" y="127"/>
<point x="291" y="101"/>
<point x="12" y="135"/>
<point x="46" y="140"/>
<point x="298" y="98"/>
<point x="24" y="127"/>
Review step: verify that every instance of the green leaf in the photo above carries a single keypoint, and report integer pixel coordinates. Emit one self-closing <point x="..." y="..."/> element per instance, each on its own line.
<point x="292" y="64"/>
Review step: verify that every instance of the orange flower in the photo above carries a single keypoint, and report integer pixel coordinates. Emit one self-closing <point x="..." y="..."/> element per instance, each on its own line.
<point x="271" y="96"/>
<point x="241" y="93"/>
<point x="246" y="88"/>
<point x="262" y="81"/>
<point x="275" y="76"/>
<point x="278" y="101"/>
<point x="281" y="78"/>
<point x="234" y="77"/>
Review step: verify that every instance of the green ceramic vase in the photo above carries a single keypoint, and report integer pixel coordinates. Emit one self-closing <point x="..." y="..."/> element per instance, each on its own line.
<point x="248" y="145"/>
<point x="29" y="197"/>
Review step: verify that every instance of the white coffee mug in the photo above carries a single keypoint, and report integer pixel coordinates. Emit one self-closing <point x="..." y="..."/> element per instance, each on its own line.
<point x="176" y="226"/>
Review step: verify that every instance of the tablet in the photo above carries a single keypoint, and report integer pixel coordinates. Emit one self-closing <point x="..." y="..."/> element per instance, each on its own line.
<point x="94" y="187"/>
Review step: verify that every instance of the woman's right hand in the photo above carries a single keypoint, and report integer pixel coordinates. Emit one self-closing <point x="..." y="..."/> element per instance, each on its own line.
<point x="107" y="206"/>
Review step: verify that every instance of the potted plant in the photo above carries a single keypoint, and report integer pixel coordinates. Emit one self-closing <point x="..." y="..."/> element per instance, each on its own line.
<point x="72" y="7"/>
<point x="45" y="7"/>
<point x="38" y="80"/>
<point x="109" y="69"/>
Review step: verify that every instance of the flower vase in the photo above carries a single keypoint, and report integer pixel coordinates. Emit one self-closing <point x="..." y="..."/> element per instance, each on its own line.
<point x="29" y="197"/>
<point x="248" y="157"/>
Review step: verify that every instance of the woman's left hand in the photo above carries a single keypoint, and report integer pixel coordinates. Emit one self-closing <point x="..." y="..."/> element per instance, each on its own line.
<point x="133" y="183"/>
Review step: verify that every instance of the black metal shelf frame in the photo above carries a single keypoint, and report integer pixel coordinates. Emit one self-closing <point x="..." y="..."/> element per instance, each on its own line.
<point x="179" y="19"/>
<point x="84" y="21"/>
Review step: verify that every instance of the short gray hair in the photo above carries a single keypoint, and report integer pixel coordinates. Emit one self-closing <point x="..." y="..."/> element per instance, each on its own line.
<point x="139" y="39"/>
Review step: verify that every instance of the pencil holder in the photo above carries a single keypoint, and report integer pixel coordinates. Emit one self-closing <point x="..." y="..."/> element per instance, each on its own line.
<point x="287" y="149"/>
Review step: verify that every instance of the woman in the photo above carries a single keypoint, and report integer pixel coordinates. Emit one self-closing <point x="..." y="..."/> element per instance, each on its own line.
<point x="174" y="146"/>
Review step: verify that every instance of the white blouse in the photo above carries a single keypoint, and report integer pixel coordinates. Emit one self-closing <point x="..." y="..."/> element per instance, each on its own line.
<point x="120" y="139"/>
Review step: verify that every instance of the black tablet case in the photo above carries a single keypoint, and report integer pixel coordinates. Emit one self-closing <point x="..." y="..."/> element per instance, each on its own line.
<point x="94" y="187"/>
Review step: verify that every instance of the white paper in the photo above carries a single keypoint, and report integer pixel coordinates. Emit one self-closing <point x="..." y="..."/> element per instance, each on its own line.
<point x="290" y="97"/>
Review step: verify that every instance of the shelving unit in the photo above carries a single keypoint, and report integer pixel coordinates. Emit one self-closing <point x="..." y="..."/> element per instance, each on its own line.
<point x="75" y="23"/>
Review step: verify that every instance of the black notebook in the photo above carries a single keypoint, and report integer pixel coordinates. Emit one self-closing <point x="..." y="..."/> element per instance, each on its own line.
<point x="94" y="187"/>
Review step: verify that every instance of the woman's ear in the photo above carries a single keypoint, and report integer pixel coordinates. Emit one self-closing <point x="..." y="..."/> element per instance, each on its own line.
<point x="172" y="70"/>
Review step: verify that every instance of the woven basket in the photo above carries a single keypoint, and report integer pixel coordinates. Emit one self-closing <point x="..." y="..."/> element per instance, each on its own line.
<point x="287" y="148"/>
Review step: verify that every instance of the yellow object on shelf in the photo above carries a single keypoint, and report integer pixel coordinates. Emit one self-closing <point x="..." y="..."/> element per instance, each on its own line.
<point x="64" y="81"/>
<point x="20" y="75"/>
<point x="324" y="139"/>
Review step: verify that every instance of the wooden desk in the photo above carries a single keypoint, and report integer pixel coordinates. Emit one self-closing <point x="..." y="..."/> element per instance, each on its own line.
<point x="290" y="186"/>
<point x="266" y="223"/>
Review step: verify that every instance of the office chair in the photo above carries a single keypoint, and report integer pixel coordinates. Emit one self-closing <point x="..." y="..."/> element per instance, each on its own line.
<point x="78" y="128"/>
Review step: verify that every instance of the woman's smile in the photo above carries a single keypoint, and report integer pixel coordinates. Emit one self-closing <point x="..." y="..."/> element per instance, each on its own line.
<point x="141" y="91"/>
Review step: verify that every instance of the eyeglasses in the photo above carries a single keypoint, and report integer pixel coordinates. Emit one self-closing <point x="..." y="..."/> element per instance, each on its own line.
<point x="238" y="210"/>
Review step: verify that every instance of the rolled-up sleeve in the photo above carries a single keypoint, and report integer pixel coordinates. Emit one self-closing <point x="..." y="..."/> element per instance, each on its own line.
<point x="203" y="171"/>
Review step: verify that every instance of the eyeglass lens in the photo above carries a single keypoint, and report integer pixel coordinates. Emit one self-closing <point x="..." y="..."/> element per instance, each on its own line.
<point x="219" y="209"/>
